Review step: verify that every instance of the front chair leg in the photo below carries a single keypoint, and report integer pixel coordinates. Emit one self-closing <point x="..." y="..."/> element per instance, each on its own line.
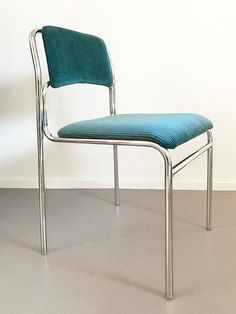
<point x="168" y="229"/>
<point x="209" y="183"/>
<point x="42" y="203"/>
<point x="116" y="176"/>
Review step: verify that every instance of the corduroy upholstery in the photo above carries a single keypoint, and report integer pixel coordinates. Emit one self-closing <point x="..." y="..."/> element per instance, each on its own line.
<point x="167" y="130"/>
<point x="74" y="57"/>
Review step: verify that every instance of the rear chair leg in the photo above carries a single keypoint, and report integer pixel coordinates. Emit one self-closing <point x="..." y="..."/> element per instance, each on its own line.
<point x="41" y="182"/>
<point x="116" y="176"/>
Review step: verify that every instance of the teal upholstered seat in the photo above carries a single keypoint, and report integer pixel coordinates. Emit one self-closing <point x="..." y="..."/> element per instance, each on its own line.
<point x="74" y="57"/>
<point x="167" y="130"/>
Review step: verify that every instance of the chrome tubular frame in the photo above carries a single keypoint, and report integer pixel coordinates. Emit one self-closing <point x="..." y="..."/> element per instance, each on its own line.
<point x="170" y="171"/>
<point x="40" y="136"/>
<point x="112" y="101"/>
<point x="209" y="181"/>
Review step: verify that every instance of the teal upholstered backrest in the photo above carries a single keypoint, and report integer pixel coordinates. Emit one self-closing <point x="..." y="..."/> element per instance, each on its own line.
<point x="74" y="57"/>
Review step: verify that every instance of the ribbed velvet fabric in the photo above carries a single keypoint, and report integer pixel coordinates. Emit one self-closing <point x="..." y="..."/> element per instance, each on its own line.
<point x="167" y="130"/>
<point x="74" y="57"/>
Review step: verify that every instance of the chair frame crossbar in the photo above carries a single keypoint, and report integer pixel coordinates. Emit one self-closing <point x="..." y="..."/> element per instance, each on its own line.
<point x="169" y="169"/>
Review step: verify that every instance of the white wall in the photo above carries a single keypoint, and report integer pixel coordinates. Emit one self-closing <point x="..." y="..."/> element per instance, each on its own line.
<point x="169" y="56"/>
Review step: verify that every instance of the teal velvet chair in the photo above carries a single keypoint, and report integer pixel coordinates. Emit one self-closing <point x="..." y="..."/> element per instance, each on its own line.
<point x="76" y="58"/>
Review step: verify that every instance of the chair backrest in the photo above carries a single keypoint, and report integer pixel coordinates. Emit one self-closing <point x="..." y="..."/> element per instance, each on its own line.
<point x="74" y="57"/>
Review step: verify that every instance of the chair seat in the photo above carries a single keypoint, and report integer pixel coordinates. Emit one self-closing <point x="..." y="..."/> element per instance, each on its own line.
<point x="167" y="130"/>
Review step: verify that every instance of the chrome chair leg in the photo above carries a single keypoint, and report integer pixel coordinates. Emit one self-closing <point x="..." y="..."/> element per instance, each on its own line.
<point x="209" y="183"/>
<point x="116" y="176"/>
<point x="42" y="201"/>
<point x="168" y="229"/>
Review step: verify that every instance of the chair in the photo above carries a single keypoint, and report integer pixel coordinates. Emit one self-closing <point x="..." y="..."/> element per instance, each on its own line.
<point x="74" y="58"/>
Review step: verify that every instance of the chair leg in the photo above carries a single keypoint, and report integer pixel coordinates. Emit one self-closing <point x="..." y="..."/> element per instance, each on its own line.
<point x="116" y="176"/>
<point x="42" y="203"/>
<point x="168" y="230"/>
<point x="209" y="185"/>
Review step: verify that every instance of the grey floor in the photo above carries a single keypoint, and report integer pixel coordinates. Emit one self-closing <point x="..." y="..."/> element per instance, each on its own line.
<point x="104" y="261"/>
